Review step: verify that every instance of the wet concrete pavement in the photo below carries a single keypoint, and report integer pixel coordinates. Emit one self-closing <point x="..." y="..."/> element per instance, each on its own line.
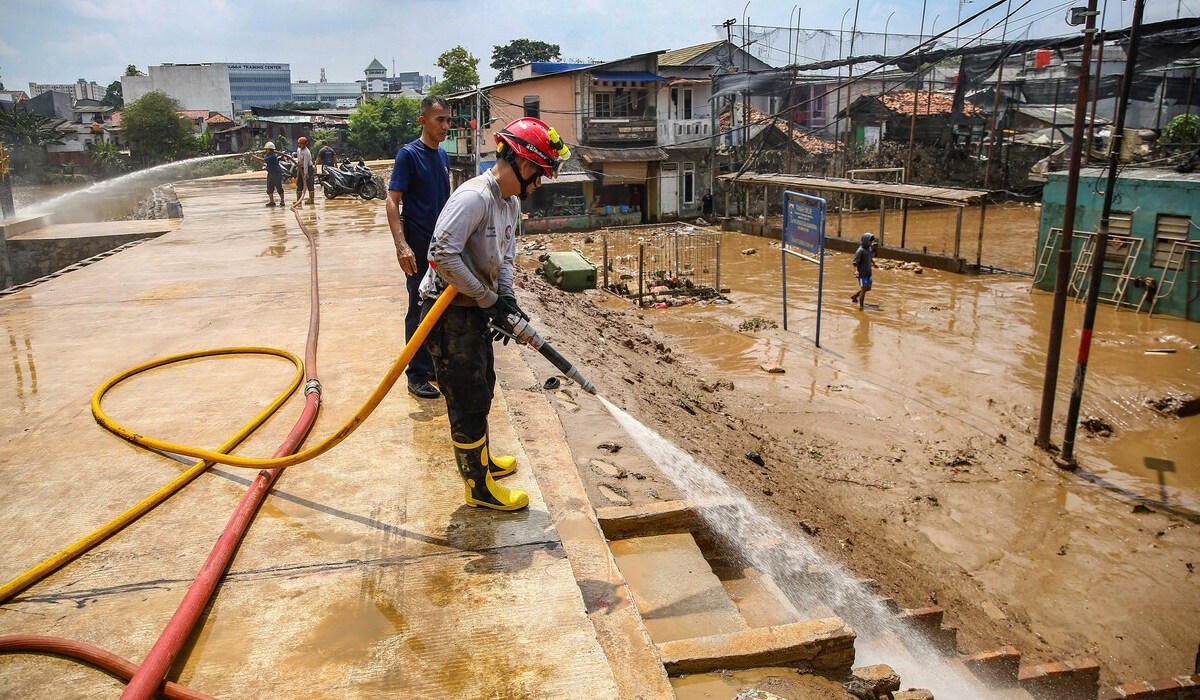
<point x="364" y="575"/>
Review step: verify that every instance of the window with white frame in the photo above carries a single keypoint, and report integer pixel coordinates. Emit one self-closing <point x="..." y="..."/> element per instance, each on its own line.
<point x="603" y="104"/>
<point x="687" y="103"/>
<point x="1169" y="230"/>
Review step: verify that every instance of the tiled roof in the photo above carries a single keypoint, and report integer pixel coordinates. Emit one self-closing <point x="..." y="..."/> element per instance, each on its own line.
<point x="806" y="141"/>
<point x="219" y="118"/>
<point x="681" y="57"/>
<point x="928" y="103"/>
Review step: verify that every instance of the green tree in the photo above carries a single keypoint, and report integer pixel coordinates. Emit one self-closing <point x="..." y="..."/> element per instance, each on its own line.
<point x="1182" y="133"/>
<point x="518" y="51"/>
<point x="107" y="159"/>
<point x="316" y="137"/>
<point x="132" y="70"/>
<point x="379" y="127"/>
<point x="113" y="97"/>
<point x="460" y="71"/>
<point x="26" y="136"/>
<point x="155" y="130"/>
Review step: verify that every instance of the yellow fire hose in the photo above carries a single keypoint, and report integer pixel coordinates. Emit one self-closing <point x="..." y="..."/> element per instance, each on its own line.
<point x="320" y="448"/>
<point x="220" y="455"/>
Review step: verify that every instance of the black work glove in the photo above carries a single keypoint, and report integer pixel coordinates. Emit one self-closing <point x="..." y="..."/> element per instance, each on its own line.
<point x="504" y="307"/>
<point x="512" y="301"/>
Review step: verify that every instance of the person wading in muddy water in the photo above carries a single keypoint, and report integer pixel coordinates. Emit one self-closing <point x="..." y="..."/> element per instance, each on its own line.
<point x="864" y="260"/>
<point x="474" y="248"/>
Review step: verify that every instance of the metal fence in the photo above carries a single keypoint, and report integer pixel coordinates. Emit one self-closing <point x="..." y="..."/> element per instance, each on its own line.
<point x="673" y="263"/>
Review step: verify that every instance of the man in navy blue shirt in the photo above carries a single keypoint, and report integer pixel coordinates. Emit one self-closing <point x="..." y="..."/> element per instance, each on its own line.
<point x="418" y="190"/>
<point x="274" y="171"/>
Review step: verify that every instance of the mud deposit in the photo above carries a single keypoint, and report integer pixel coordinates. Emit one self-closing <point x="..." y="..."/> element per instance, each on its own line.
<point x="904" y="446"/>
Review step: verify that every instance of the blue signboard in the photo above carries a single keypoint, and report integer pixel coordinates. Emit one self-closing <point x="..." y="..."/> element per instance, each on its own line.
<point x="803" y="223"/>
<point x="804" y="237"/>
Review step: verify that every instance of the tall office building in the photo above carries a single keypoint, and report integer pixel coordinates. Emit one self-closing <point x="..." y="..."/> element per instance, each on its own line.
<point x="259" y="84"/>
<point x="217" y="87"/>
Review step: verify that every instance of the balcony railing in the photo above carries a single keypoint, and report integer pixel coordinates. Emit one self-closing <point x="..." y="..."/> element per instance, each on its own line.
<point x="624" y="131"/>
<point x="685" y="132"/>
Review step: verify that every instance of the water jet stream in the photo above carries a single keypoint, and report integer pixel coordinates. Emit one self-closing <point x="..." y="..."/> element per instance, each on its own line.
<point x="790" y="559"/>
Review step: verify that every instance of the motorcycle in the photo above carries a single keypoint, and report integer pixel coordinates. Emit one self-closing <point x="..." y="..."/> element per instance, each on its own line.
<point x="349" y="179"/>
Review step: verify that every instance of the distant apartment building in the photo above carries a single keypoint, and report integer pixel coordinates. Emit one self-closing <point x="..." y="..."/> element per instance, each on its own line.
<point x="378" y="84"/>
<point x="80" y="89"/>
<point x="216" y="87"/>
<point x="327" y="93"/>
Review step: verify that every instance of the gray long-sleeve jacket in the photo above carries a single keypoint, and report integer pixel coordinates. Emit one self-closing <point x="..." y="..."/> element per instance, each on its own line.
<point x="474" y="243"/>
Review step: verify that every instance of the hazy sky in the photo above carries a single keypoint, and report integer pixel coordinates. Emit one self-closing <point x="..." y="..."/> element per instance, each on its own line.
<point x="57" y="41"/>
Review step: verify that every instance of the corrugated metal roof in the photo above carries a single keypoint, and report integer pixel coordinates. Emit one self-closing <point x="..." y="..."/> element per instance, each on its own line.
<point x="682" y="57"/>
<point x="937" y="195"/>
<point x="607" y="155"/>
<point x="1061" y="115"/>
<point x="634" y="75"/>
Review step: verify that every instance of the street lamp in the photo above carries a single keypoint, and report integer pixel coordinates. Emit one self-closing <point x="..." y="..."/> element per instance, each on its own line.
<point x="957" y="28"/>
<point x="790" y="38"/>
<point x="885" y="28"/>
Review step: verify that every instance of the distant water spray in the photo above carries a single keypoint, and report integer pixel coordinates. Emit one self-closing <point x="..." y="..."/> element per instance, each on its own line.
<point x="814" y="584"/>
<point x="150" y="177"/>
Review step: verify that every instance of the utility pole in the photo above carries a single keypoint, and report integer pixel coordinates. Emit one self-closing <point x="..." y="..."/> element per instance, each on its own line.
<point x="912" y="129"/>
<point x="849" y="95"/>
<point x="478" y="130"/>
<point x="1091" y="133"/>
<point x="987" y="169"/>
<point x="1097" y="276"/>
<point x="1063" y="269"/>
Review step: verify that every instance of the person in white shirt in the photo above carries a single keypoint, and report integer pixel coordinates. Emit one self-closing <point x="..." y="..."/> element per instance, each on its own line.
<point x="304" y="171"/>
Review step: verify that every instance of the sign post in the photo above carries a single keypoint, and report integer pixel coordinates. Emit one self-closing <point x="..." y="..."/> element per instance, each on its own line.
<point x="804" y="237"/>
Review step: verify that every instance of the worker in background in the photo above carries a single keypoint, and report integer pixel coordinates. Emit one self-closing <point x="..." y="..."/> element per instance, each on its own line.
<point x="304" y="170"/>
<point x="474" y="248"/>
<point x="270" y="159"/>
<point x="417" y="192"/>
<point x="326" y="157"/>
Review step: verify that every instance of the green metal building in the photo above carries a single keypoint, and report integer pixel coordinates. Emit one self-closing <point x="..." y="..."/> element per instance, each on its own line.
<point x="1152" y="263"/>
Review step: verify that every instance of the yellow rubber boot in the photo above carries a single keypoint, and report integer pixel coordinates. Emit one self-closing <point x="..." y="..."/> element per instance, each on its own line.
<point x="480" y="489"/>
<point x="500" y="466"/>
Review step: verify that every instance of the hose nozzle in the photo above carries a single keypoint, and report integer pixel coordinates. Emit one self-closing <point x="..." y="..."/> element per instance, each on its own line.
<point x="520" y="330"/>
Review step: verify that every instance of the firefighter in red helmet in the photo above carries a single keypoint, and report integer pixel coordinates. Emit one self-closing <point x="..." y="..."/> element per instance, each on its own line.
<point x="474" y="247"/>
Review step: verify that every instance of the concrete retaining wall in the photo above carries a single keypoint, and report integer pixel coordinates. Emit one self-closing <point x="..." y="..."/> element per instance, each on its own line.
<point x="27" y="259"/>
<point x="846" y="245"/>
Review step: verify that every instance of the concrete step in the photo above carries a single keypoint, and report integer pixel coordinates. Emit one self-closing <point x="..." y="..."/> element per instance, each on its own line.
<point x="674" y="588"/>
<point x="758" y="599"/>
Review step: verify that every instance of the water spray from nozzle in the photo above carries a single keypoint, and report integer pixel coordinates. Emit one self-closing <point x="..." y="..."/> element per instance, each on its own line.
<point x="520" y="330"/>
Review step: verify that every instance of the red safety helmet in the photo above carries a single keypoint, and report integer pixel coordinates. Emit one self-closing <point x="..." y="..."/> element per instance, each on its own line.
<point x="303" y="141"/>
<point x="533" y="140"/>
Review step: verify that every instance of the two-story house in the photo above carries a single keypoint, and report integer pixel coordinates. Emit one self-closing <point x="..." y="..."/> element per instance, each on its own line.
<point x="688" y="120"/>
<point x="608" y="114"/>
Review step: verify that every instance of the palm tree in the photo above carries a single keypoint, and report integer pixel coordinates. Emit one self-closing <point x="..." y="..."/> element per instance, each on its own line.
<point x="27" y="134"/>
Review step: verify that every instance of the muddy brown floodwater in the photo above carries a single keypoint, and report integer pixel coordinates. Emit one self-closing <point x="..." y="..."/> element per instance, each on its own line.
<point x="1009" y="232"/>
<point x="903" y="445"/>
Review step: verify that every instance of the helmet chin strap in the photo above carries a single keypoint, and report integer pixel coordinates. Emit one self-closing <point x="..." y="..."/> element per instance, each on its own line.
<point x="513" y="163"/>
